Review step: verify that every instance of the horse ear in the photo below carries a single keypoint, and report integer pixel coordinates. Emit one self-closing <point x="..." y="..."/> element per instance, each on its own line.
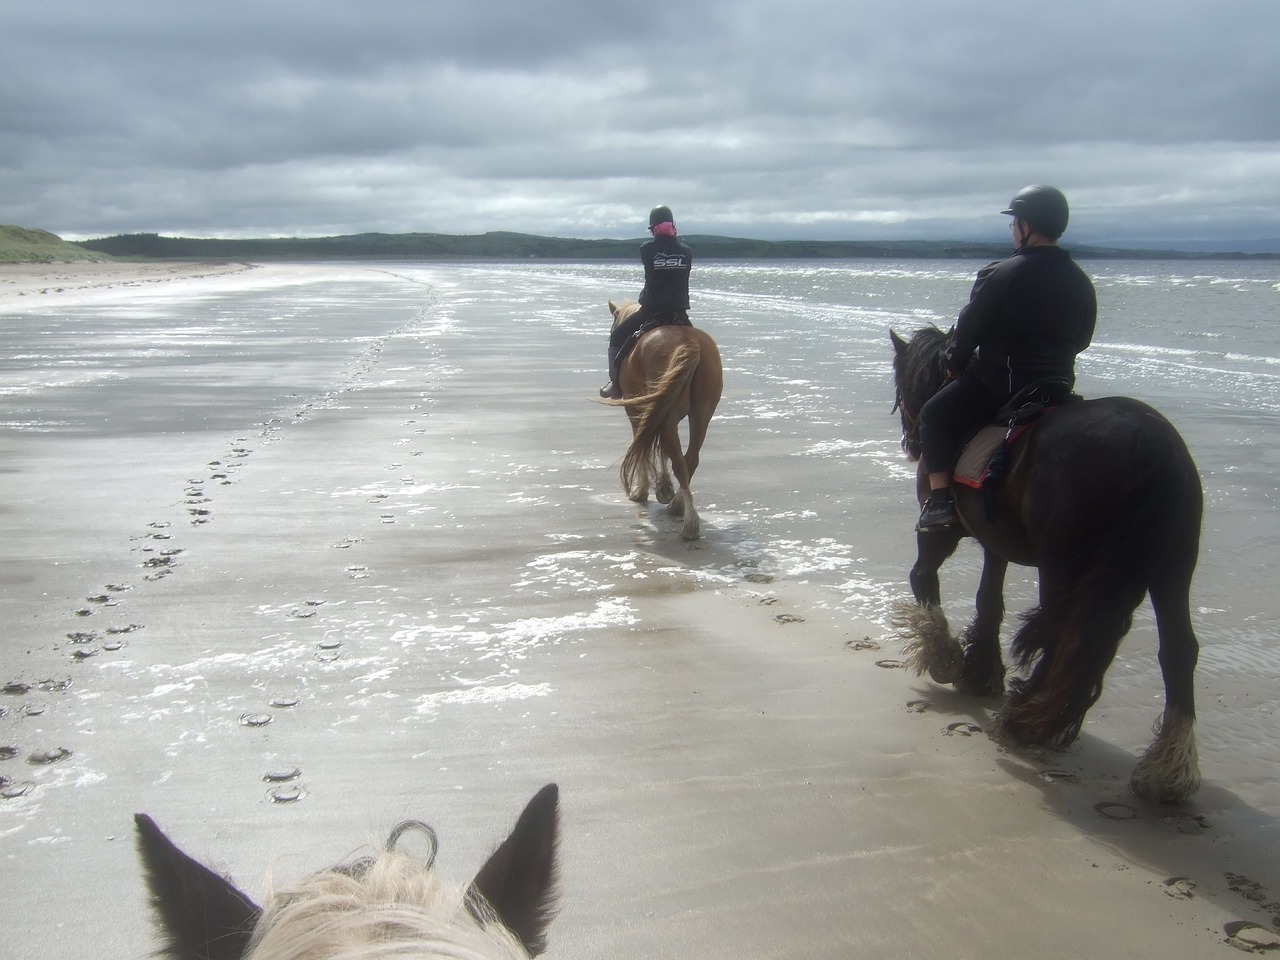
<point x="899" y="344"/>
<point x="201" y="914"/>
<point x="519" y="880"/>
<point x="613" y="308"/>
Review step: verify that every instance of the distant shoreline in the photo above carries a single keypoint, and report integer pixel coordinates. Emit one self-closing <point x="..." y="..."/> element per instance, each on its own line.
<point x="520" y="247"/>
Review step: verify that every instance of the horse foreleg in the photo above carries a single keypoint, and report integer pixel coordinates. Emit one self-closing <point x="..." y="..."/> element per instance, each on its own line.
<point x="983" y="672"/>
<point x="926" y="637"/>
<point x="1169" y="771"/>
<point x="637" y="486"/>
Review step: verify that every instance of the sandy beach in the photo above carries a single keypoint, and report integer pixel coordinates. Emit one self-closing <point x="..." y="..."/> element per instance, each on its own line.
<point x="745" y="771"/>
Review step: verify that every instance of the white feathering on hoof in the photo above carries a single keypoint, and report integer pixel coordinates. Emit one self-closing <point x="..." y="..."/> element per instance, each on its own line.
<point x="1169" y="771"/>
<point x="927" y="642"/>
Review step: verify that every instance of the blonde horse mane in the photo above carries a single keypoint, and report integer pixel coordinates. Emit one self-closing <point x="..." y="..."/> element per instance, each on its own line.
<point x="388" y="907"/>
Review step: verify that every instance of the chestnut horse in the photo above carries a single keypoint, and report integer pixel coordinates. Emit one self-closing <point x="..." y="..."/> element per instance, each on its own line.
<point x="672" y="372"/>
<point x="1103" y="498"/>
<point x="377" y="906"/>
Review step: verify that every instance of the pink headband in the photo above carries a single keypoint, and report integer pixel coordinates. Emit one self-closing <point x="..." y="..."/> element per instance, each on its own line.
<point x="664" y="229"/>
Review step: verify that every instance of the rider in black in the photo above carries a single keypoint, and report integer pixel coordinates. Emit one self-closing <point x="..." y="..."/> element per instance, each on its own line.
<point x="1027" y="318"/>
<point x="667" y="262"/>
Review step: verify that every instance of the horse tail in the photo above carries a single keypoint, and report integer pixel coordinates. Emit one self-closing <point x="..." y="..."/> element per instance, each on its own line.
<point x="1087" y="603"/>
<point x="660" y="406"/>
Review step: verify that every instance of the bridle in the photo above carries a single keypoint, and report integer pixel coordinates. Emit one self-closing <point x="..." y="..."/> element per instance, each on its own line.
<point x="910" y="424"/>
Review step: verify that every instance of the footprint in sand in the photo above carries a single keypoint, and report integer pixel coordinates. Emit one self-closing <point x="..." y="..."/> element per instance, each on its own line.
<point x="282" y="776"/>
<point x="1180" y="888"/>
<point x="962" y="728"/>
<point x="789" y="618"/>
<point x="254" y="719"/>
<point x="890" y="664"/>
<point x="8" y="753"/>
<point x="1058" y="776"/>
<point x="758" y="578"/>
<point x="866" y="643"/>
<point x="290" y="794"/>
<point x="918" y="706"/>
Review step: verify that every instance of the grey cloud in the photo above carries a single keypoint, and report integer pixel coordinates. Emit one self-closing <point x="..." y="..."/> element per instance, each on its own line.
<point x="868" y="118"/>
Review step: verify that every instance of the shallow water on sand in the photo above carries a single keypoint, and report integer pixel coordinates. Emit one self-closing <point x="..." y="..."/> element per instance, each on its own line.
<point x="802" y="476"/>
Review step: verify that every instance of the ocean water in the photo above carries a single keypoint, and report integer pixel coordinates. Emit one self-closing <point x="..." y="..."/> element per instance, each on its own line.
<point x="802" y="476"/>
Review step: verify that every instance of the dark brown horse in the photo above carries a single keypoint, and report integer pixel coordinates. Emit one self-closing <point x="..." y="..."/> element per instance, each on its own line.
<point x="1103" y="498"/>
<point x="390" y="904"/>
<point x="672" y="372"/>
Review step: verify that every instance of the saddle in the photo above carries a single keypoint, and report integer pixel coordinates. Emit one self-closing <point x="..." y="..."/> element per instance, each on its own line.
<point x="983" y="460"/>
<point x="664" y="318"/>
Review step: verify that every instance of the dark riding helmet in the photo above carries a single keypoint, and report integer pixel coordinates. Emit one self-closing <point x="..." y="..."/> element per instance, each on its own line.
<point x="660" y="214"/>
<point x="1044" y="208"/>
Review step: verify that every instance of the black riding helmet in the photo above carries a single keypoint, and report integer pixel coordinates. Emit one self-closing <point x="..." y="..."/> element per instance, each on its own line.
<point x="660" y="214"/>
<point x="1044" y="208"/>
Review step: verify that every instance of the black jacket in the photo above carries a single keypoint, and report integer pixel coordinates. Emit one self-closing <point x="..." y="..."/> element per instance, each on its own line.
<point x="667" y="263"/>
<point x="1027" y="317"/>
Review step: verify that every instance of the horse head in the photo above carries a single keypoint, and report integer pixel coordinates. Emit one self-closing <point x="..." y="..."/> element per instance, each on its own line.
<point x="621" y="311"/>
<point x="503" y="913"/>
<point x="919" y="370"/>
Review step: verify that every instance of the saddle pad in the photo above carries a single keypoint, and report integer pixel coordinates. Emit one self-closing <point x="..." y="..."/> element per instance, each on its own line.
<point x="971" y="468"/>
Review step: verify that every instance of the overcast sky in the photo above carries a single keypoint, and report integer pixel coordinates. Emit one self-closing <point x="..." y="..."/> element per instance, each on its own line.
<point x="891" y="119"/>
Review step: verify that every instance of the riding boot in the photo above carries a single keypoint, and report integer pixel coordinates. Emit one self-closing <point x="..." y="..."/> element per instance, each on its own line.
<point x="939" y="511"/>
<point x="611" y="391"/>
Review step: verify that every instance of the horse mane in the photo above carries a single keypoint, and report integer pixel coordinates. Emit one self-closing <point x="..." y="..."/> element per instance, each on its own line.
<point x="919" y="365"/>
<point x="377" y="908"/>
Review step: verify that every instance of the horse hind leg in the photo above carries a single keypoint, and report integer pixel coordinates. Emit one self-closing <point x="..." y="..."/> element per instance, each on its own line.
<point x="681" y="505"/>
<point x="1072" y="637"/>
<point x="1169" y="770"/>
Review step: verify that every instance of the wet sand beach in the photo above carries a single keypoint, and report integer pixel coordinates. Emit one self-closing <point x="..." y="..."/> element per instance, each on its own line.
<point x="402" y="594"/>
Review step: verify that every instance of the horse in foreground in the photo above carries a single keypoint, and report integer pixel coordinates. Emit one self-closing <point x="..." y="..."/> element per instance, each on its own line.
<point x="388" y="905"/>
<point x="672" y="372"/>
<point x="1103" y="498"/>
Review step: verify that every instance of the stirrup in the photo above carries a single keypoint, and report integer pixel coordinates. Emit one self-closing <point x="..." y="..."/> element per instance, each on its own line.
<point x="938" y="514"/>
<point x="610" y="391"/>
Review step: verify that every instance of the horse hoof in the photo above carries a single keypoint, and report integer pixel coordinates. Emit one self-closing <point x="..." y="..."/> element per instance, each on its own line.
<point x="945" y="668"/>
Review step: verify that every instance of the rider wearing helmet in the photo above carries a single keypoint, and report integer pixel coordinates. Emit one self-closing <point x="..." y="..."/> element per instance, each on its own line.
<point x="665" y="297"/>
<point x="1027" y="317"/>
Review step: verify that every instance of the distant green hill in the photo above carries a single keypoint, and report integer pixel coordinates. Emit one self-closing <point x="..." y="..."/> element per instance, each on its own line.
<point x="24" y="245"/>
<point x="508" y="246"/>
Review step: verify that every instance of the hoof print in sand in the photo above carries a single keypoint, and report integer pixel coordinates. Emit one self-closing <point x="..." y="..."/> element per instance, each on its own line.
<point x="1116" y="811"/>
<point x="42" y="758"/>
<point x="962" y="728"/>
<point x="1180" y="888"/>
<point x="1250" y="937"/>
<point x="789" y="618"/>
